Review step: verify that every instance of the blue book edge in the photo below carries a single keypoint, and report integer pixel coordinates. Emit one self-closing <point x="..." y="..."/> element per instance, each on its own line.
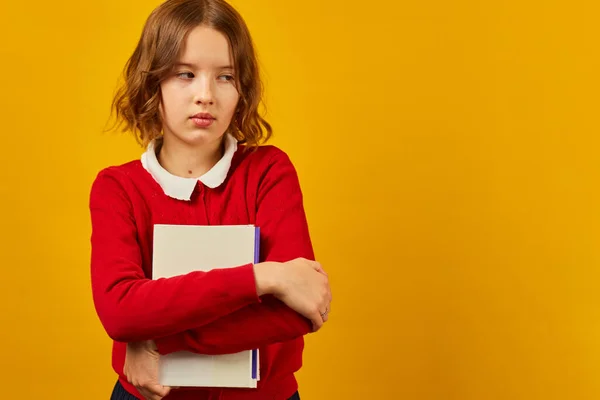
<point x="256" y="261"/>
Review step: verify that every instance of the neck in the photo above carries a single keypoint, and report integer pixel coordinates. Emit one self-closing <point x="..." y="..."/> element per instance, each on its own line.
<point x="186" y="161"/>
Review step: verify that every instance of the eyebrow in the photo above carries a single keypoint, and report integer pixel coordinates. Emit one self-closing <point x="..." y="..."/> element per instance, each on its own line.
<point x="182" y="64"/>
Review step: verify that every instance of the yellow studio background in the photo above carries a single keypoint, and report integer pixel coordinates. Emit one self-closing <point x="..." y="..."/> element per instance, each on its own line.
<point x="448" y="152"/>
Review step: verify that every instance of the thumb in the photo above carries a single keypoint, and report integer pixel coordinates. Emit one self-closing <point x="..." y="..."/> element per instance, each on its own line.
<point x="160" y="390"/>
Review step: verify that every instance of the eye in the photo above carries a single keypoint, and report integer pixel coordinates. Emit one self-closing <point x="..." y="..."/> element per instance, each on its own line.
<point x="185" y="75"/>
<point x="226" y="78"/>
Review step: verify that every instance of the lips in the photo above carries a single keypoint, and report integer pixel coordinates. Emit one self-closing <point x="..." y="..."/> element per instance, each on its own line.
<point x="203" y="116"/>
<point x="202" y="120"/>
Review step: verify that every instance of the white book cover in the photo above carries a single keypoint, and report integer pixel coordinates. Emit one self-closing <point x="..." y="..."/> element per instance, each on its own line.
<point x="180" y="249"/>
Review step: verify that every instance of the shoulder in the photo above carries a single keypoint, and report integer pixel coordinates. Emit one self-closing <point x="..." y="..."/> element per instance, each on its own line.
<point x="116" y="180"/>
<point x="267" y="168"/>
<point x="264" y="158"/>
<point x="128" y="169"/>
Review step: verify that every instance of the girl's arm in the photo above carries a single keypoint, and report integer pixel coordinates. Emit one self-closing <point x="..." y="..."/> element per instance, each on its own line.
<point x="132" y="307"/>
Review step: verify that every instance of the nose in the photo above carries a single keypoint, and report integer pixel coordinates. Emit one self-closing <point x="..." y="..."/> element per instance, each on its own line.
<point x="204" y="92"/>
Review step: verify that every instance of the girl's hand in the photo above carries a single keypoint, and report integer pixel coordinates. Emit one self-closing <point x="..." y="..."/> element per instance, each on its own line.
<point x="301" y="284"/>
<point x="141" y="369"/>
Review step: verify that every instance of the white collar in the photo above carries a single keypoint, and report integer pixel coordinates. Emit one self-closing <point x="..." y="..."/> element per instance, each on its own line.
<point x="182" y="188"/>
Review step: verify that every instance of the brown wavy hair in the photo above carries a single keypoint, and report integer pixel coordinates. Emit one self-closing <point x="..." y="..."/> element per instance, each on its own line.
<point x="136" y="103"/>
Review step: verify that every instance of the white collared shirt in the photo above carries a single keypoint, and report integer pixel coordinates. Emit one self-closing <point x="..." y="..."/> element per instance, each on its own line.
<point x="182" y="188"/>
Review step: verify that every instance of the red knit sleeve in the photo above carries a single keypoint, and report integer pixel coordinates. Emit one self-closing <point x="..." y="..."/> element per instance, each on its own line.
<point x="130" y="305"/>
<point x="284" y="236"/>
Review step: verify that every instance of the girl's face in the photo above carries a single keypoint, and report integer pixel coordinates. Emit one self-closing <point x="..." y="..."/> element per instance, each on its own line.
<point x="199" y="97"/>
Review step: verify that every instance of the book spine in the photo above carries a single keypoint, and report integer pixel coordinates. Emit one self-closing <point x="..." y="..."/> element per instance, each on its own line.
<point x="256" y="261"/>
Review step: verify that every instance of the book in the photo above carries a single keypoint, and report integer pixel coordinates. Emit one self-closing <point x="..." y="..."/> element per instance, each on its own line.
<point x="181" y="249"/>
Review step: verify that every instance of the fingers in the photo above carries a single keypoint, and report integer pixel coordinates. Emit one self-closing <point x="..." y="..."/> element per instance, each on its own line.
<point x="320" y="295"/>
<point x="163" y="391"/>
<point x="316" y="265"/>
<point x="317" y="321"/>
<point x="317" y="324"/>
<point x="153" y="391"/>
<point x="326" y="298"/>
<point x="322" y="271"/>
<point x="325" y="313"/>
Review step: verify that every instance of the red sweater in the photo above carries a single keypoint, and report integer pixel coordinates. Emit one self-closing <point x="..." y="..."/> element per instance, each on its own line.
<point x="212" y="312"/>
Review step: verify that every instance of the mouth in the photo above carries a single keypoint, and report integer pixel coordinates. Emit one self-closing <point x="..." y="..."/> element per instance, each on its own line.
<point x="202" y="120"/>
<point x="203" y="116"/>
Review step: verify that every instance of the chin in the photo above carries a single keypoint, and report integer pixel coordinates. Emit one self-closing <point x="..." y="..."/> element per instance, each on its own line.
<point x="200" y="136"/>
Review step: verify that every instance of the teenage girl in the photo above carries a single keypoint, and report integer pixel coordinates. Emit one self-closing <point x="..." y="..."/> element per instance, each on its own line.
<point x="191" y="96"/>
